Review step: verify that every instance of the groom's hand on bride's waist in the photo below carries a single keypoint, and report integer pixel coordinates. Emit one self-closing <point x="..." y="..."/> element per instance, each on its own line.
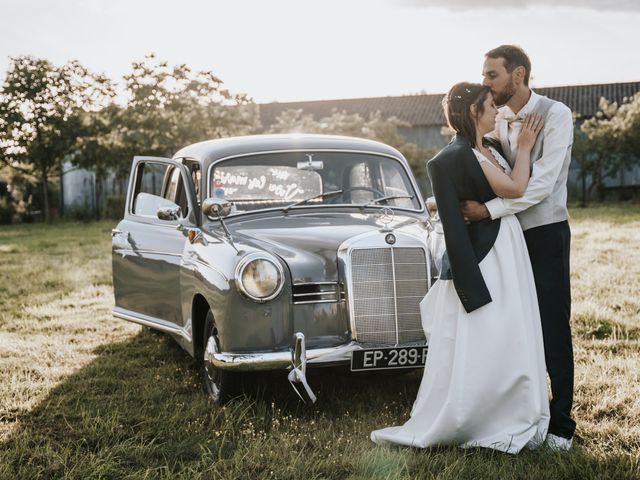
<point x="473" y="211"/>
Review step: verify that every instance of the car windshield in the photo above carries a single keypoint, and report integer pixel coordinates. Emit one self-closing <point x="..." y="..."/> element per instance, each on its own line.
<point x="278" y="180"/>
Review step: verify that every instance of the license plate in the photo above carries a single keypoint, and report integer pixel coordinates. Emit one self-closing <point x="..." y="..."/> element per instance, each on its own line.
<point x="387" y="358"/>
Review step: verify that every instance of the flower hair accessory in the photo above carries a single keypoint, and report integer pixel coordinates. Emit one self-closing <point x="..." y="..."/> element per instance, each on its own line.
<point x="460" y="97"/>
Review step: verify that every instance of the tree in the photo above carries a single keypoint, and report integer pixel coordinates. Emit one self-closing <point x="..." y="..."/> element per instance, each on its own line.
<point x="99" y="149"/>
<point x="580" y="152"/>
<point x="170" y="107"/>
<point x="15" y="195"/>
<point x="343" y="123"/>
<point x="608" y="143"/>
<point x="41" y="107"/>
<point x="165" y="109"/>
<point x="627" y="122"/>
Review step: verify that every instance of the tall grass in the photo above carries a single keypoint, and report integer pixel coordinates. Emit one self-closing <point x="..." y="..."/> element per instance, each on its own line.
<point x="84" y="395"/>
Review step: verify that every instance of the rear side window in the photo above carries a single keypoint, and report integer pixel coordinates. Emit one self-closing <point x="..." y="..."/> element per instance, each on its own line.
<point x="193" y="168"/>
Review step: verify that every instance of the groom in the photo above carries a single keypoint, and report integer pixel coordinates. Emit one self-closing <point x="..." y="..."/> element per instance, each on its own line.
<point x="542" y="212"/>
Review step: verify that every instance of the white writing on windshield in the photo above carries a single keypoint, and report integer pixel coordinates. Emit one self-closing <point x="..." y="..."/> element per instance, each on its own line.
<point x="239" y="183"/>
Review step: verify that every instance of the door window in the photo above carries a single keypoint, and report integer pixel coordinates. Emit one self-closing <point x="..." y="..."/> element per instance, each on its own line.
<point x="153" y="184"/>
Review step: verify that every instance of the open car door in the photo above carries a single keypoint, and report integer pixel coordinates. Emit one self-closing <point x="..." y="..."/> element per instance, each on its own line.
<point x="148" y="244"/>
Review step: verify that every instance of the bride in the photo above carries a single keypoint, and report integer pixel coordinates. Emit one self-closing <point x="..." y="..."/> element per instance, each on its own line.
<point x="484" y="383"/>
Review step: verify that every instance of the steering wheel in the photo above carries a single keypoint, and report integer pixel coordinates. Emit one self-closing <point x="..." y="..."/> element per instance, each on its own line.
<point x="355" y="189"/>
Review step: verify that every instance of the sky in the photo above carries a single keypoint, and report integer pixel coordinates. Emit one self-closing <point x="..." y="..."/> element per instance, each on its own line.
<point x="295" y="50"/>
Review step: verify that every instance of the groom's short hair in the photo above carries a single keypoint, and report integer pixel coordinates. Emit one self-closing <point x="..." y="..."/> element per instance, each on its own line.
<point x="514" y="57"/>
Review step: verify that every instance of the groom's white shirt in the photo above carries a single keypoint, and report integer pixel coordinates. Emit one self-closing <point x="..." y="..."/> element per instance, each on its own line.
<point x="545" y="199"/>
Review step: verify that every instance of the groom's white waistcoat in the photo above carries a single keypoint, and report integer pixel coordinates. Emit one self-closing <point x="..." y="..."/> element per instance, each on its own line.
<point x="545" y="199"/>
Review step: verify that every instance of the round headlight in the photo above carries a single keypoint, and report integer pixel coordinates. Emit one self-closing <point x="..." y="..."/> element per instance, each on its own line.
<point x="259" y="277"/>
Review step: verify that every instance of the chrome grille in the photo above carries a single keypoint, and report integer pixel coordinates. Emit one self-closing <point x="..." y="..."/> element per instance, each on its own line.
<point x="387" y="285"/>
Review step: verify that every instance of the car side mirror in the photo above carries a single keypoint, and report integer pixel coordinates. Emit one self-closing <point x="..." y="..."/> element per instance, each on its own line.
<point x="216" y="207"/>
<point x="169" y="212"/>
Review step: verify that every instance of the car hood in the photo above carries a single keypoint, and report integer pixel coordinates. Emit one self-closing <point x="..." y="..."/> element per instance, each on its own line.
<point x="308" y="243"/>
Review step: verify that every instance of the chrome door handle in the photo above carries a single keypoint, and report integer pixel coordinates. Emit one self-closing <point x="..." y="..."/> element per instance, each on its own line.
<point x="116" y="231"/>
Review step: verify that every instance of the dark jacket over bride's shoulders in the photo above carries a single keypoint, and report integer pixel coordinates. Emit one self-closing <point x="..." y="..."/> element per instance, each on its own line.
<point x="456" y="175"/>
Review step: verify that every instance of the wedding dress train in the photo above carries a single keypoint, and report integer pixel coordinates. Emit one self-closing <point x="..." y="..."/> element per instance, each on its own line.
<point x="485" y="382"/>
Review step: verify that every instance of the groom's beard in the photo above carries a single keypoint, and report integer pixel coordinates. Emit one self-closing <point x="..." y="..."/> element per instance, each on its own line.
<point x="503" y="97"/>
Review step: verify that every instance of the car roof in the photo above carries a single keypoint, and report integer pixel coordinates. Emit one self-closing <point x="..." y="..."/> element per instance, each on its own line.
<point x="212" y="150"/>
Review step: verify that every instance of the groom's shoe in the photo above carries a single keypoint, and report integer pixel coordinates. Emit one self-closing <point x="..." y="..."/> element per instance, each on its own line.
<point x="558" y="443"/>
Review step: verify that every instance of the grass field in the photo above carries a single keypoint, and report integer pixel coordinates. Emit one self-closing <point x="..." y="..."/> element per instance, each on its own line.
<point x="84" y="395"/>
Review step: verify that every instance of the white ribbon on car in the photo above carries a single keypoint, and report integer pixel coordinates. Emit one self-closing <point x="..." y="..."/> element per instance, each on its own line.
<point x="298" y="374"/>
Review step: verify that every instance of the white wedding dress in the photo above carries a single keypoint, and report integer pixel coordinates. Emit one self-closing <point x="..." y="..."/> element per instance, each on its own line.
<point x="485" y="382"/>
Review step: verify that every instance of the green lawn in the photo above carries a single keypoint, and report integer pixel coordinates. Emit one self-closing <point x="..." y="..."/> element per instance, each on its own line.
<point x="85" y="395"/>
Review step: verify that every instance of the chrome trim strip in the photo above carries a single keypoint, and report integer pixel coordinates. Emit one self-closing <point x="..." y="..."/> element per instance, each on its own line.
<point x="151" y="322"/>
<point x="308" y="302"/>
<point x="314" y="294"/>
<point x="188" y="260"/>
<point x="153" y="252"/>
<point x="383" y="281"/>
<point x="395" y="293"/>
<point x="380" y="298"/>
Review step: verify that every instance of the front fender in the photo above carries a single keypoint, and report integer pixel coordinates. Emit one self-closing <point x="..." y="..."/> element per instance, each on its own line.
<point x="242" y="324"/>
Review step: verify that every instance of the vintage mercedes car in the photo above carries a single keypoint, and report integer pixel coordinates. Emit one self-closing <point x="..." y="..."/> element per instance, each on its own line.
<point x="278" y="252"/>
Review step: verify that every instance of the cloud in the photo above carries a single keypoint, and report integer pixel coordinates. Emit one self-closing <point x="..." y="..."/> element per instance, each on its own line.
<point x="598" y="5"/>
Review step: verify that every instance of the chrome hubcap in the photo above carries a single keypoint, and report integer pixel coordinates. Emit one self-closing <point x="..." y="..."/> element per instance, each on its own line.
<point x="211" y="374"/>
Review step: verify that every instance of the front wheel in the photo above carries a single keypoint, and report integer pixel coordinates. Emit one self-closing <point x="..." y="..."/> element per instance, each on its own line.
<point x="219" y="385"/>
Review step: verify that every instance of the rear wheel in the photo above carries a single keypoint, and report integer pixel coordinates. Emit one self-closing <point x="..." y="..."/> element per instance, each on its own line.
<point x="219" y="385"/>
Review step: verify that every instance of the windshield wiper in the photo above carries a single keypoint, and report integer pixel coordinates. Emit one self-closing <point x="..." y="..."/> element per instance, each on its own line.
<point x="382" y="199"/>
<point x="300" y="202"/>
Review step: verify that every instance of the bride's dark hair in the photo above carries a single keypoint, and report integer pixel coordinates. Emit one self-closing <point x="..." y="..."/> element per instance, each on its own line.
<point x="457" y="108"/>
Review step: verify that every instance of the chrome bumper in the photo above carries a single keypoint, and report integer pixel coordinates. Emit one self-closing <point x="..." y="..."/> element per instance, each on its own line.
<point x="249" y="362"/>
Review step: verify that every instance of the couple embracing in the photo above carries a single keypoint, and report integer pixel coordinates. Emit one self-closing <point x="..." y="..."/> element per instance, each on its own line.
<point x="498" y="318"/>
